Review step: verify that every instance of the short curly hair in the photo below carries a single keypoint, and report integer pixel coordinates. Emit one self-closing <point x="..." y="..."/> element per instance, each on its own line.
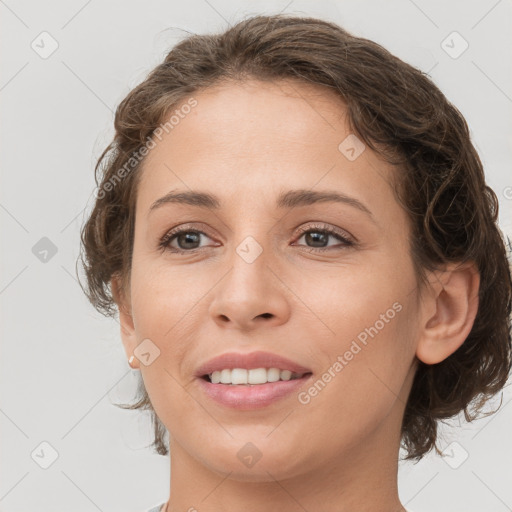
<point x="399" y="113"/>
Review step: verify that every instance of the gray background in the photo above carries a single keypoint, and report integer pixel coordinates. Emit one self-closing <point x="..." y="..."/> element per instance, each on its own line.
<point x="62" y="364"/>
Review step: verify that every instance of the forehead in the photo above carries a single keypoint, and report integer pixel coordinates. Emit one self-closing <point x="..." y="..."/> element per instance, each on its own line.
<point x="254" y="139"/>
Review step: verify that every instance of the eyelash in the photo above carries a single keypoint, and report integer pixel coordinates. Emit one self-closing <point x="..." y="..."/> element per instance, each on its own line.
<point x="164" y="243"/>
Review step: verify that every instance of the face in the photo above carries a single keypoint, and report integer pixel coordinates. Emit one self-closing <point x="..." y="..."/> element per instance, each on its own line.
<point x="327" y="284"/>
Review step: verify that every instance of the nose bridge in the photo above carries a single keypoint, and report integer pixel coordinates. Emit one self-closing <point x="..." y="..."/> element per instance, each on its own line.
<point x="251" y="239"/>
<point x="253" y="248"/>
<point x="249" y="273"/>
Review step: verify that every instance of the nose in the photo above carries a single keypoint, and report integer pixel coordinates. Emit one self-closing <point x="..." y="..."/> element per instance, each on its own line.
<point x="250" y="295"/>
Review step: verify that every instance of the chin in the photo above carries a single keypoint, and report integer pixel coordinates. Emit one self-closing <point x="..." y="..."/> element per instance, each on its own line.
<point x="248" y="464"/>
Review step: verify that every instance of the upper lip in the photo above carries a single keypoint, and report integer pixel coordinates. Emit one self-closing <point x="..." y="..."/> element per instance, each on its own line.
<point x="249" y="361"/>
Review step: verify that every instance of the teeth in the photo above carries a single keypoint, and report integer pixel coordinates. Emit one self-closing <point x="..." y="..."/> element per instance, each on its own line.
<point x="238" y="376"/>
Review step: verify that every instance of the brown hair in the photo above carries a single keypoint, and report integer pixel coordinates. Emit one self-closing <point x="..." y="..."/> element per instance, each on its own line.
<point x="397" y="111"/>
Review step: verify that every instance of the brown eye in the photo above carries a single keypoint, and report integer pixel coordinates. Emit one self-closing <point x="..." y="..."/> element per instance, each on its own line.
<point x="318" y="238"/>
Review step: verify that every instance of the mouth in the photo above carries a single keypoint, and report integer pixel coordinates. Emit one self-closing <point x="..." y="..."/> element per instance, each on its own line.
<point x="247" y="395"/>
<point x="250" y="380"/>
<point x="252" y="377"/>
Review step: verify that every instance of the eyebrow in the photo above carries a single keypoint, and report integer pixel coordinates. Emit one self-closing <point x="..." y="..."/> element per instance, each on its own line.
<point x="290" y="199"/>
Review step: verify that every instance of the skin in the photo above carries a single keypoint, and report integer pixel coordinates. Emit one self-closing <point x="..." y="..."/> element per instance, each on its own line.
<point x="246" y="143"/>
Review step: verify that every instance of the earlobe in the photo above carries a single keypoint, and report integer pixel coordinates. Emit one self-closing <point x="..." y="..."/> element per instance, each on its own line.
<point x="452" y="306"/>
<point x="128" y="336"/>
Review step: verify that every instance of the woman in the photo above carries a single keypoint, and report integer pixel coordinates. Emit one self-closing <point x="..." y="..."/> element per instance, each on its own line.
<point x="295" y="229"/>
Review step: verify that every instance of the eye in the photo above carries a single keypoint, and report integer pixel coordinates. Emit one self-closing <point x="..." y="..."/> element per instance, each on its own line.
<point x="186" y="239"/>
<point x="319" y="236"/>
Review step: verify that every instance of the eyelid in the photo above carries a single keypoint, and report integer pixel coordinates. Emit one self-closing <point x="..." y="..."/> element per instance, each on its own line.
<point x="190" y="226"/>
<point x="200" y="226"/>
<point x="322" y="226"/>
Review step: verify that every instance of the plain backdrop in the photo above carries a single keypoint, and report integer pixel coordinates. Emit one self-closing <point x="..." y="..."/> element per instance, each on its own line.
<point x="62" y="363"/>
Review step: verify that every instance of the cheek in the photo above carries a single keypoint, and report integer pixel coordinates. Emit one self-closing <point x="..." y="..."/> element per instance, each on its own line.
<point x="361" y="383"/>
<point x="162" y="298"/>
<point x="368" y="347"/>
<point x="341" y="302"/>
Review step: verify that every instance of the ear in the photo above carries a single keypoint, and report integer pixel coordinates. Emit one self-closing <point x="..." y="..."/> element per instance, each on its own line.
<point x="450" y="308"/>
<point x="122" y="299"/>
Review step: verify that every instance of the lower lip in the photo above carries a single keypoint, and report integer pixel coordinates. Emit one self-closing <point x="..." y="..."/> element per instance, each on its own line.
<point x="247" y="396"/>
